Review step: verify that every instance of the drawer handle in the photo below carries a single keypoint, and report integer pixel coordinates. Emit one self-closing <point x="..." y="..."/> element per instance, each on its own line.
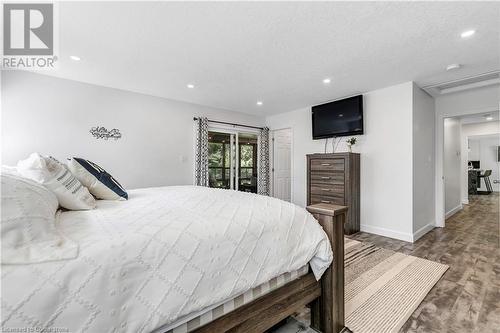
<point x="325" y="177"/>
<point x="325" y="201"/>
<point x="325" y="189"/>
<point x="325" y="164"/>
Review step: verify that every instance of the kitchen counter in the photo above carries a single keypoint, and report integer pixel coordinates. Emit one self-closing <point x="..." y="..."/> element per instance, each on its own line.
<point x="474" y="180"/>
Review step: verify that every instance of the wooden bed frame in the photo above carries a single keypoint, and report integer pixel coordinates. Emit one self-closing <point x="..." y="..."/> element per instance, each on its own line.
<point x="326" y="297"/>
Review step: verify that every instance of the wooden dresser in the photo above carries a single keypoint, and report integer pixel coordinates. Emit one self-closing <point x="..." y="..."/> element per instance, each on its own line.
<point x="334" y="179"/>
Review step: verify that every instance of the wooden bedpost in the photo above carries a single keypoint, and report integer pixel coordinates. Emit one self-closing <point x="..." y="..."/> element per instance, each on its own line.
<point x="327" y="312"/>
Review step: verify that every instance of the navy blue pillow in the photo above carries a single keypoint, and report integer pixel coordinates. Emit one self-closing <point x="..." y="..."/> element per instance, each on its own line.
<point x="100" y="183"/>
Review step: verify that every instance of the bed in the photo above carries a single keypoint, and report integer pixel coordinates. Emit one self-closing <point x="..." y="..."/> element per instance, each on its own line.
<point x="184" y="259"/>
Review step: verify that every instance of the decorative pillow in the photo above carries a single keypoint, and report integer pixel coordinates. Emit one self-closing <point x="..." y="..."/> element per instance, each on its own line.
<point x="56" y="177"/>
<point x="28" y="227"/>
<point x="100" y="183"/>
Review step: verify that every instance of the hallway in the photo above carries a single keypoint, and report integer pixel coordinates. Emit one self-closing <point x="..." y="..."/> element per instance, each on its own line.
<point x="467" y="298"/>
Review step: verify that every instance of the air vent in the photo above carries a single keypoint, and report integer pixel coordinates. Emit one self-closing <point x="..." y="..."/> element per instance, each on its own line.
<point x="482" y="80"/>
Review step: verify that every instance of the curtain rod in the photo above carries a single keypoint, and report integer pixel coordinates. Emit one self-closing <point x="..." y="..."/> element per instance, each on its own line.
<point x="232" y="124"/>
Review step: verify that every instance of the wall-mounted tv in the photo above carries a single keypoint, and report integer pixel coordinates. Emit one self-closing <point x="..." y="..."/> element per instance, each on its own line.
<point x="339" y="118"/>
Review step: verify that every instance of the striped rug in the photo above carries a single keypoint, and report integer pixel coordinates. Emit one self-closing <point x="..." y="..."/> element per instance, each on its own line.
<point x="383" y="287"/>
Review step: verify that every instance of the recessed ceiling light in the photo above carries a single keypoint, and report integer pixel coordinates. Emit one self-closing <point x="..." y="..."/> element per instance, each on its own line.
<point x="190" y="86"/>
<point x="259" y="103"/>
<point x="488" y="117"/>
<point x="453" y="66"/>
<point x="75" y="58"/>
<point x="467" y="34"/>
<point x="327" y="80"/>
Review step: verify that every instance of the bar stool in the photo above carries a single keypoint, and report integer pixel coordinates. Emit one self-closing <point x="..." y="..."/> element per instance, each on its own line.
<point x="486" y="175"/>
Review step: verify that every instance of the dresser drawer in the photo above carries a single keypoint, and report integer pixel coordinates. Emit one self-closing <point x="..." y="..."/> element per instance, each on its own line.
<point x="334" y="179"/>
<point x="315" y="199"/>
<point x="330" y="178"/>
<point x="329" y="190"/>
<point x="333" y="164"/>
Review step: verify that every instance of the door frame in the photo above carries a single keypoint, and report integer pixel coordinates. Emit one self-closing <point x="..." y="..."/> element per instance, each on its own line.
<point x="440" y="211"/>
<point x="272" y="159"/>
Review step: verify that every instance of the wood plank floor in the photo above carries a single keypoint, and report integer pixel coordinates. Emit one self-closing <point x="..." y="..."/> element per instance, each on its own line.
<point x="467" y="298"/>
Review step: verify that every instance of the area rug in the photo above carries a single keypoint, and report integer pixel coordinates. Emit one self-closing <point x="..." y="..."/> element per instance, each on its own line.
<point x="383" y="288"/>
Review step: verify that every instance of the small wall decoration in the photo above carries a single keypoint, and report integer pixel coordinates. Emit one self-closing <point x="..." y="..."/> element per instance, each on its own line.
<point x="100" y="132"/>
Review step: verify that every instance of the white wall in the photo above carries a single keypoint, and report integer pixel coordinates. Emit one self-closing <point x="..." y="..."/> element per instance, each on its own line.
<point x="386" y="158"/>
<point x="486" y="128"/>
<point x="53" y="116"/>
<point x="423" y="162"/>
<point x="471" y="131"/>
<point x="474" y="150"/>
<point x="472" y="101"/>
<point x="468" y="102"/>
<point x="452" y="165"/>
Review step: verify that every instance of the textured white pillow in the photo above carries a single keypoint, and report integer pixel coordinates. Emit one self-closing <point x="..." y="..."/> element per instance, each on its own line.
<point x="28" y="227"/>
<point x="57" y="178"/>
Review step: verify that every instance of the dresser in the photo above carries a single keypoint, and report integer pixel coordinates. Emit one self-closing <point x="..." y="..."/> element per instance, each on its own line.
<point x="334" y="179"/>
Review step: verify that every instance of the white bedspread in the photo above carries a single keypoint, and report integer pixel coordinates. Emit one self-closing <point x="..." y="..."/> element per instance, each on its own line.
<point x="165" y="253"/>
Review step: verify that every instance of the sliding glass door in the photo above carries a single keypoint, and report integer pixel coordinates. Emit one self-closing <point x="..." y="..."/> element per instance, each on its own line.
<point x="247" y="162"/>
<point x="232" y="160"/>
<point x="221" y="159"/>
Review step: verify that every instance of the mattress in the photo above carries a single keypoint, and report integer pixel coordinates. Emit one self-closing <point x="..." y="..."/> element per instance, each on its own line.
<point x="194" y="321"/>
<point x="164" y="255"/>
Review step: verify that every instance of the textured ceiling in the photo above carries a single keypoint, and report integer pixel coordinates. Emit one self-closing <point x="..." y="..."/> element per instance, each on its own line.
<point x="236" y="53"/>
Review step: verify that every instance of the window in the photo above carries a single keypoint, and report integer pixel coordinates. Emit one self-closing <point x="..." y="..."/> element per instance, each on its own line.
<point x="219" y="159"/>
<point x="248" y="164"/>
<point x="222" y="157"/>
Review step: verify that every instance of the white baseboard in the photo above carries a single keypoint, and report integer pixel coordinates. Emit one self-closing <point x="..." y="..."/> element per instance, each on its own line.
<point x="386" y="232"/>
<point x="465" y="201"/>
<point x="422" y="231"/>
<point x="453" y="211"/>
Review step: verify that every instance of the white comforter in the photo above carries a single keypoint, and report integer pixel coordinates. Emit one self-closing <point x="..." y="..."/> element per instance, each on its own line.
<point x="165" y="253"/>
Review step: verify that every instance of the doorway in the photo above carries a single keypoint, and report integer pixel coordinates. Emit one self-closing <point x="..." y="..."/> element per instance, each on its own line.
<point x="232" y="160"/>
<point x="282" y="164"/>
<point x="471" y="149"/>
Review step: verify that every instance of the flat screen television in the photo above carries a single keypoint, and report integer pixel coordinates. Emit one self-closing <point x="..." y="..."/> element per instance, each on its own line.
<point x="339" y="118"/>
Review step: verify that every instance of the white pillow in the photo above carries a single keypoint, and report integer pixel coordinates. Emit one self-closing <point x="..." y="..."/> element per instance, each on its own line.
<point x="56" y="177"/>
<point x="28" y="227"/>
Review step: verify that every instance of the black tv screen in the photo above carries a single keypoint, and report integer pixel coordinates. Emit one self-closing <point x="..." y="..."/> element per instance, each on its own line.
<point x="339" y="118"/>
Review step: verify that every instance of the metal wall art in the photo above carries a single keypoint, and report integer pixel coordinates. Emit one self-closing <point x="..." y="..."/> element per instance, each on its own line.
<point x="100" y="132"/>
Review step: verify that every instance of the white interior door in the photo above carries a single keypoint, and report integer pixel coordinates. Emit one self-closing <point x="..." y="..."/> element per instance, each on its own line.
<point x="282" y="164"/>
